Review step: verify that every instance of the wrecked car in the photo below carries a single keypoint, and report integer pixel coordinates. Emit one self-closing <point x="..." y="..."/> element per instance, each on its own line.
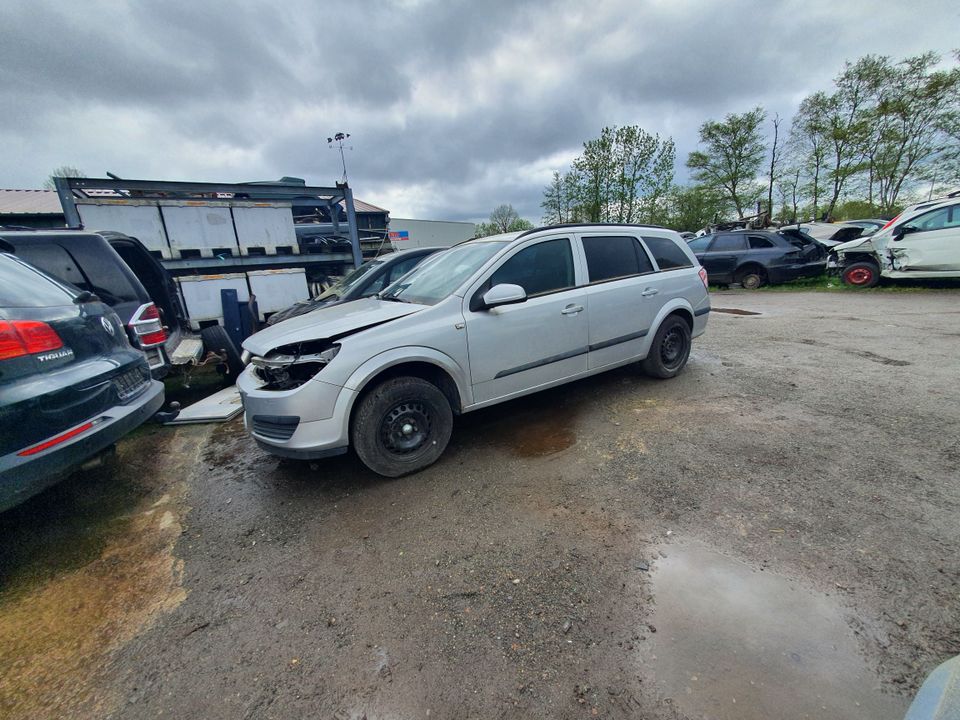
<point x="486" y="321"/>
<point x="922" y="242"/>
<point x="754" y="258"/>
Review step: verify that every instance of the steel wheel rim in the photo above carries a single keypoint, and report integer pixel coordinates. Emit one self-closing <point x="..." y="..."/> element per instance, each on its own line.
<point x="672" y="347"/>
<point x="860" y="276"/>
<point x="406" y="427"/>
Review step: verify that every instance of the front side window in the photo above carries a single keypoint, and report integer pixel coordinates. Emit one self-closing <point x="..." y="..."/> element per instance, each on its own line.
<point x="939" y="219"/>
<point x="541" y="268"/>
<point x="700" y="244"/>
<point x="667" y="253"/>
<point x="614" y="257"/>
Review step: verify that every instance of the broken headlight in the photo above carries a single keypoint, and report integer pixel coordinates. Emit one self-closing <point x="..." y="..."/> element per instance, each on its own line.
<point x="291" y="366"/>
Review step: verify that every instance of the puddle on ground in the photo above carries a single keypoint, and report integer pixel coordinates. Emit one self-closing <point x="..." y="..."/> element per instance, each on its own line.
<point x="534" y="426"/>
<point x="84" y="566"/>
<point x="733" y="643"/>
<point x="735" y="311"/>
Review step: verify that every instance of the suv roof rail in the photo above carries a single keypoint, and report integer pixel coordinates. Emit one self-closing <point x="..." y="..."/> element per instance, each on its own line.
<point x="590" y="224"/>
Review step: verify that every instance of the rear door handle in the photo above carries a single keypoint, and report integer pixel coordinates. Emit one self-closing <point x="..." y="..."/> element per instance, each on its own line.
<point x="571" y="309"/>
<point x="649" y="291"/>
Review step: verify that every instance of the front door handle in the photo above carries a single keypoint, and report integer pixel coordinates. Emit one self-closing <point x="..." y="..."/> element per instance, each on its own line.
<point x="649" y="292"/>
<point x="571" y="309"/>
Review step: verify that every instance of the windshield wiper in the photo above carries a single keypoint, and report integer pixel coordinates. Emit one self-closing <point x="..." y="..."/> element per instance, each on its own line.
<point x="393" y="298"/>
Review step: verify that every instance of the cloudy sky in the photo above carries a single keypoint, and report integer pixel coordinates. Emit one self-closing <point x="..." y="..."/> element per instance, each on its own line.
<point x="453" y="107"/>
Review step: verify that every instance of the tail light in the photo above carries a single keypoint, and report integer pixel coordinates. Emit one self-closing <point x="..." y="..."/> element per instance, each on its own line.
<point x="146" y="325"/>
<point x="703" y="276"/>
<point x="890" y="223"/>
<point x="26" y="337"/>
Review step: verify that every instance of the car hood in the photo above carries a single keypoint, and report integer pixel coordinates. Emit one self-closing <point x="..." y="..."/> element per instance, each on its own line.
<point x="864" y="244"/>
<point x="329" y="323"/>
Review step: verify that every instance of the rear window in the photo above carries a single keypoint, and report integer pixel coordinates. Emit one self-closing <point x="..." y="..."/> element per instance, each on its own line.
<point x="102" y="269"/>
<point x="53" y="260"/>
<point x="667" y="253"/>
<point x="23" y="286"/>
<point x="757" y="242"/>
<point x="615" y="256"/>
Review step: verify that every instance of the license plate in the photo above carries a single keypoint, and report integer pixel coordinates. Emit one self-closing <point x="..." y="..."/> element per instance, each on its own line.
<point x="130" y="383"/>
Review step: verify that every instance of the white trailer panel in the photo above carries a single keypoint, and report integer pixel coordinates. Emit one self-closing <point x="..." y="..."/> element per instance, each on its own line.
<point x="406" y="233"/>
<point x="201" y="294"/>
<point x="136" y="218"/>
<point x="202" y="227"/>
<point x="265" y="225"/>
<point x="278" y="289"/>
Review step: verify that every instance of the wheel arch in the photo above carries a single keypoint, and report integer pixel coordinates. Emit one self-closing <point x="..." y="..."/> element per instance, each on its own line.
<point x="428" y="364"/>
<point x="750" y="265"/>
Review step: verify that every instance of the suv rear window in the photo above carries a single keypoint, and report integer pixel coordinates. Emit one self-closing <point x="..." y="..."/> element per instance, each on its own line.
<point x="23" y="286"/>
<point x="614" y="257"/>
<point x="103" y="273"/>
<point x="667" y="253"/>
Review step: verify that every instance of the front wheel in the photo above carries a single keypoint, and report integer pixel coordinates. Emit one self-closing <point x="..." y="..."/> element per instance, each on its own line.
<point x="861" y="274"/>
<point x="401" y="426"/>
<point x="669" y="350"/>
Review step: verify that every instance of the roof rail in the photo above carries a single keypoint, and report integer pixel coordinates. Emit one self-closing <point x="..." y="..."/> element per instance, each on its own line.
<point x="591" y="224"/>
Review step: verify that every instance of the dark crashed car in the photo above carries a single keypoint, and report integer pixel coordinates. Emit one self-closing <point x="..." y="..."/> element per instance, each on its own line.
<point x="759" y="257"/>
<point x="70" y="383"/>
<point x="367" y="280"/>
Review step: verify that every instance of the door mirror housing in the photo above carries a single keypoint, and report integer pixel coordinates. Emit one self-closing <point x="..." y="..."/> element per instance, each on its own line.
<point x="504" y="294"/>
<point x="904" y="230"/>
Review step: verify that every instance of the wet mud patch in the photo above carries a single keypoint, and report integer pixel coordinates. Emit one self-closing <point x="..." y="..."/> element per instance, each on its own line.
<point x="734" y="643"/>
<point x="84" y="568"/>
<point x="535" y="426"/>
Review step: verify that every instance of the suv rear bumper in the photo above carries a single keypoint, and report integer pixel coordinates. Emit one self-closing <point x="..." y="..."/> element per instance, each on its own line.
<point x="24" y="476"/>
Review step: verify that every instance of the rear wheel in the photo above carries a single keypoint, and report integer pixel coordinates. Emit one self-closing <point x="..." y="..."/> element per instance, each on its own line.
<point x="861" y="274"/>
<point x="216" y="339"/>
<point x="401" y="426"/>
<point x="670" y="349"/>
<point x="751" y="278"/>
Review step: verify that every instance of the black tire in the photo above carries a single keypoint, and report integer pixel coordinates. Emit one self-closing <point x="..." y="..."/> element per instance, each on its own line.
<point x="402" y="425"/>
<point x="751" y="278"/>
<point x="216" y="339"/>
<point x="861" y="274"/>
<point x="669" y="350"/>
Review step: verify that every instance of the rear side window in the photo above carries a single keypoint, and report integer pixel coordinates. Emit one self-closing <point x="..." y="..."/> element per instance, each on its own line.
<point x="23" y="286"/>
<point x="727" y="243"/>
<point x="667" y="253"/>
<point x="758" y="242"/>
<point x="541" y="268"/>
<point x="615" y="256"/>
<point x="102" y="268"/>
<point x="53" y="260"/>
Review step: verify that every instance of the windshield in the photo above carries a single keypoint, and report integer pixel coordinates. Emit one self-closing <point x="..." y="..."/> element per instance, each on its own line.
<point x="431" y="282"/>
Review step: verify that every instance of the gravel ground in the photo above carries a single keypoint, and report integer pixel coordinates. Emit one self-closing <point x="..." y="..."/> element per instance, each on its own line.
<point x="818" y="441"/>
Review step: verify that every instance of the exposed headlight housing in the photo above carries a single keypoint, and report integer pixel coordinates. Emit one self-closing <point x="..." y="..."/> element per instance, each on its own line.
<point x="291" y="366"/>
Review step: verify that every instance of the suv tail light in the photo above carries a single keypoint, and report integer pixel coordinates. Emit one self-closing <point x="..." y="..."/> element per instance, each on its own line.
<point x="26" y="337"/>
<point x="146" y="325"/>
<point x="703" y="276"/>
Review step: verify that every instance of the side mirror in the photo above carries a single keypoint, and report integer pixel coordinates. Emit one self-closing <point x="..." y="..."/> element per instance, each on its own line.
<point x="504" y="294"/>
<point x="904" y="230"/>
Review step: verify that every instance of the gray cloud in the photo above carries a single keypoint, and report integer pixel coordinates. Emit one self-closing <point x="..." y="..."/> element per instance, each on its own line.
<point x="454" y="107"/>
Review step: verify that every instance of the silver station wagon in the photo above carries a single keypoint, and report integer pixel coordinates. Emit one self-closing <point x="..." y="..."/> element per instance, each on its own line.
<point x="483" y="322"/>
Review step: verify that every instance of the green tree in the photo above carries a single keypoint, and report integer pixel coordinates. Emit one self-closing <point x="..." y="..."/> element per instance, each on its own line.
<point x="692" y="207"/>
<point x="560" y="199"/>
<point x="62" y="171"/>
<point x="730" y="161"/>
<point x="503" y="218"/>
<point x="621" y="176"/>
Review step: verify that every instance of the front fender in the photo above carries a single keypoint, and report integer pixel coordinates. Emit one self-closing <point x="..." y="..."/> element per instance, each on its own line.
<point x="411" y="353"/>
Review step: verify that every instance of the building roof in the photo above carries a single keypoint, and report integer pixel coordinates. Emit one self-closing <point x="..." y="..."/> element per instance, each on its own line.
<point x="30" y="202"/>
<point x="47" y="202"/>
